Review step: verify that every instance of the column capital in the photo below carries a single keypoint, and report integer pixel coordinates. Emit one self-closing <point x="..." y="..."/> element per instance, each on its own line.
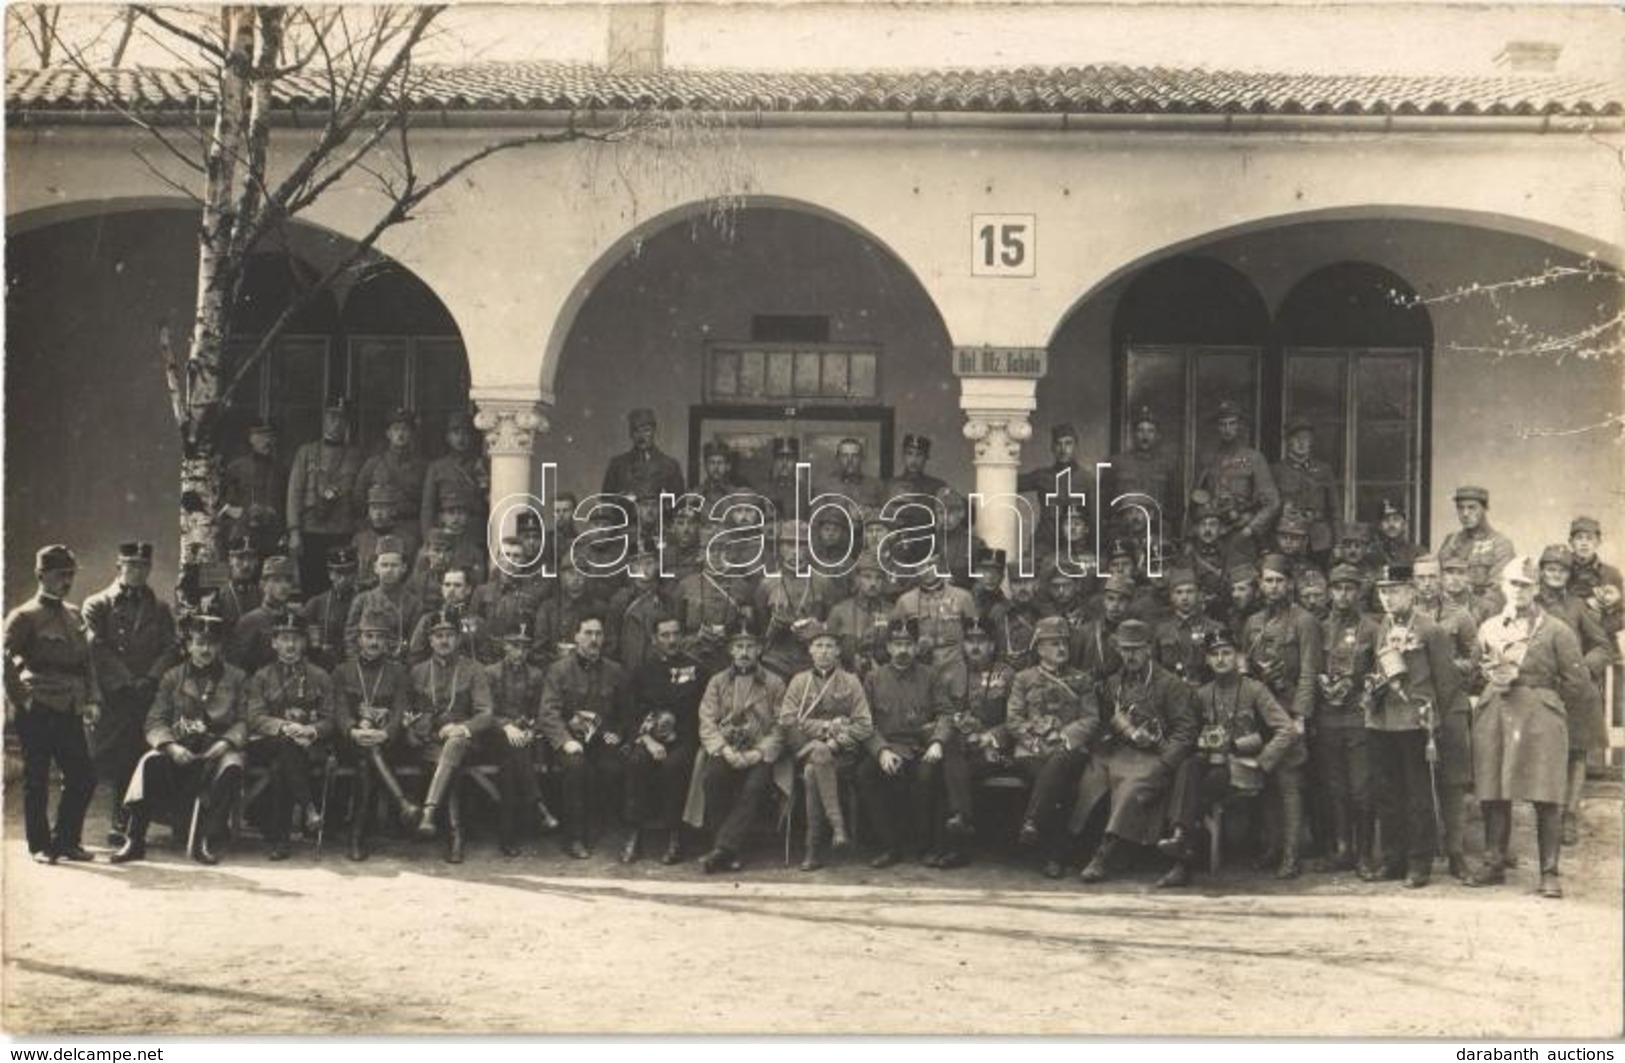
<point x="510" y="425"/>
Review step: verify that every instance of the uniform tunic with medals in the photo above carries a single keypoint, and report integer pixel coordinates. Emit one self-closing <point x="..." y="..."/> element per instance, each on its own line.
<point x="1243" y="489"/>
<point x="1483" y="546"/>
<point x="975" y="702"/>
<point x="860" y="624"/>
<point x="1309" y="489"/>
<point x="195" y="708"/>
<point x="940" y="613"/>
<point x="665" y="703"/>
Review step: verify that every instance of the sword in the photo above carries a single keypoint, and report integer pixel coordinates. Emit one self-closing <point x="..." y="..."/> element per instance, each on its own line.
<point x="1432" y="756"/>
<point x="191" y="832"/>
<point x="327" y="788"/>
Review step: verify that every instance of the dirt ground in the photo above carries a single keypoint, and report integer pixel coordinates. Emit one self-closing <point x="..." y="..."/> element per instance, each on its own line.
<point x="404" y="943"/>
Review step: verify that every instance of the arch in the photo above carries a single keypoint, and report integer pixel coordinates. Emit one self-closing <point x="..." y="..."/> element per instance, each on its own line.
<point x="629" y="242"/>
<point x="1190" y="299"/>
<point x="1353" y="304"/>
<point x="391" y="300"/>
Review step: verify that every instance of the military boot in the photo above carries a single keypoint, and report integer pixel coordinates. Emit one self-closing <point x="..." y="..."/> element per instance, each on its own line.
<point x="135" y="838"/>
<point x="1100" y="865"/>
<point x="1497" y="832"/>
<point x="1549" y="837"/>
<point x="1291" y="829"/>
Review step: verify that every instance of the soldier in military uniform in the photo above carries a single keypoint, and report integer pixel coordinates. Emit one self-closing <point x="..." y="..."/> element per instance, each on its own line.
<point x="558" y="617"/>
<point x="325" y="614"/>
<point x="1015" y="623"/>
<point x="51" y="695"/>
<point x="976" y="691"/>
<point x="860" y="622"/>
<point x="1292" y="542"/>
<point x="456" y="594"/>
<point x="848" y="481"/>
<point x="791" y="604"/>
<point x="291" y="723"/>
<point x="1236" y="480"/>
<point x="322" y="497"/>
<point x="505" y="602"/>
<point x="780" y="488"/>
<point x="719" y="480"/>
<point x="423" y="574"/>
<point x="399" y="467"/>
<point x="1145" y="469"/>
<point x="1063" y="478"/>
<point x="1453" y="778"/>
<point x="372" y="693"/>
<point x="1588" y="571"/>
<point x="663" y="734"/>
<point x="1456" y="590"/>
<point x="451" y="708"/>
<point x="740" y="742"/>
<point x="1094" y="647"/>
<point x="1393" y="545"/>
<point x="462" y="519"/>
<point x="939" y="609"/>
<point x="391" y="598"/>
<point x="1147" y="728"/>
<point x="987" y="587"/>
<point x="914" y="480"/>
<point x="462" y="471"/>
<point x="583" y="715"/>
<point x="1211" y="559"/>
<point x="1476" y="542"/>
<point x="1051" y="718"/>
<point x="826" y="720"/>
<point x="516" y="691"/>
<point x="1180" y="641"/>
<point x="1243" y="600"/>
<point x="1338" y="740"/>
<point x="197" y="730"/>
<point x="249" y="647"/>
<point x="240" y="594"/>
<point x="901" y="780"/>
<point x="1243" y="735"/>
<point x="1308" y="487"/>
<point x="254" y="489"/>
<point x="384" y="504"/>
<point x="132" y="634"/>
<point x="643" y="471"/>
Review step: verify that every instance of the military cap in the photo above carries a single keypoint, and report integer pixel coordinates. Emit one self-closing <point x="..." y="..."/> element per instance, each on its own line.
<point x="1242" y="573"/>
<point x="459" y="419"/>
<point x="1051" y="628"/>
<point x="453" y="497"/>
<point x="716" y="448"/>
<point x="55" y="558"/>
<point x="1064" y="430"/>
<point x="1119" y="585"/>
<point x="279" y="567"/>
<point x="817" y="629"/>
<point x="975" y="627"/>
<point x="1227" y="409"/>
<point x="1521" y="570"/>
<point x="867" y="561"/>
<point x="1392" y="507"/>
<point x="261" y="426"/>
<point x="1394" y="575"/>
<point x="786" y="447"/>
<point x="1311" y="577"/>
<point x="1352" y="531"/>
<point x="443" y="621"/>
<point x="1292" y="524"/>
<point x="1455" y="563"/>
<point x="1204" y="509"/>
<point x="1585" y="524"/>
<point x="401" y="415"/>
<point x="520" y="633"/>
<point x="1299" y="424"/>
<point x="289" y="623"/>
<point x="1181" y="577"/>
<point x="1346" y="574"/>
<point x="375" y="620"/>
<point x="989" y="557"/>
<point x="135" y="551"/>
<point x="740" y="630"/>
<point x="690" y="505"/>
<point x="527" y="520"/>
<point x="1557" y="554"/>
<point x="1120" y="548"/>
<point x="391" y="544"/>
<point x="1144" y="416"/>
<point x="1218" y="638"/>
<point x="920" y="443"/>
<point x="1276" y="563"/>
<point x="341" y="559"/>
<point x="242" y="546"/>
<point x="640" y="417"/>
<point x="1132" y="633"/>
<point x="205" y="626"/>
<point x="384" y="494"/>
<point x="903" y="629"/>
<point x="1469" y="493"/>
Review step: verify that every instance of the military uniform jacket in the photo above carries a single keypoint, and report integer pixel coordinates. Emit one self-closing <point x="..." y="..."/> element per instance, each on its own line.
<point x="233" y="601"/>
<point x="365" y="544"/>
<point x="1596" y="649"/>
<point x="464" y="471"/>
<point x="866" y="492"/>
<point x="259" y="485"/>
<point x="557" y="620"/>
<point x="324" y="617"/>
<point x="1211" y="564"/>
<point x="669" y="684"/>
<point x="502" y="605"/>
<point x="1482" y="546"/>
<point x="1177" y="645"/>
<point x="516" y="693"/>
<point x="132" y="634"/>
<point x="404" y="471"/>
<point x="940" y="614"/>
<point x="1550" y="664"/>
<point x="1239" y="479"/>
<point x="1049" y="710"/>
<point x="48" y="657"/>
<point x="1431" y="675"/>
<point x="446" y="693"/>
<point x="710" y="599"/>
<point x="1043" y="482"/>
<point x="399" y="607"/>
<point x="1309" y="489"/>
<point x="1282" y="645"/>
<point x="377" y="692"/>
<point x="1093" y="649"/>
<point x="833" y="707"/>
<point x="249" y="646"/>
<point x="196" y="707"/>
<point x="280" y="694"/>
<point x="321" y="488"/>
<point x="1586" y="576"/>
<point x="1142" y="472"/>
<point x="908" y="709"/>
<point x="643" y="474"/>
<point x="471" y="636"/>
<point x="1015" y="627"/>
<point x="740" y="712"/>
<point x="1160" y="695"/>
<point x="573" y="685"/>
<point x="634" y="614"/>
<point x="976" y="700"/>
<point x="1243" y="707"/>
<point x="861" y="627"/>
<point x="1349" y="642"/>
<point x="1463" y="628"/>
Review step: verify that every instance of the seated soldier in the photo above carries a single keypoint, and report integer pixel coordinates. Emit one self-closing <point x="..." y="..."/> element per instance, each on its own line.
<point x="197" y="730"/>
<point x="975" y="693"/>
<point x="825" y="719"/>
<point x="1052" y="717"/>
<point x="371" y="695"/>
<point x="451" y="706"/>
<point x="290" y="724"/>
<point x="901" y="779"/>
<point x="1235" y="714"/>
<point x="739" y="733"/>
<point x="516" y="691"/>
<point x="582" y="715"/>
<point x="1148" y="728"/>
<point x="662" y="735"/>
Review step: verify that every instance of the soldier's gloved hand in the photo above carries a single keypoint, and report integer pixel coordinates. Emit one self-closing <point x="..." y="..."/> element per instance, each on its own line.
<point x="890" y="762"/>
<point x="732" y="757"/>
<point x="516" y="737"/>
<point x="933" y="753"/>
<point x="572" y="748"/>
<point x="656" y="750"/>
<point x="179" y="755"/>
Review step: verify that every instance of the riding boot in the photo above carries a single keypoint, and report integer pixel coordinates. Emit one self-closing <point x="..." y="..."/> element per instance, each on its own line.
<point x="1452" y="811"/>
<point x="1497" y="833"/>
<point x="406" y="809"/>
<point x="1549" y="838"/>
<point x="1291" y="829"/>
<point x="1363" y="835"/>
<point x="360" y="810"/>
<point x="815" y="831"/>
<point x="454" y="819"/>
<point x="118" y="819"/>
<point x="1100" y="865"/>
<point x="135" y="837"/>
<point x="1573" y="795"/>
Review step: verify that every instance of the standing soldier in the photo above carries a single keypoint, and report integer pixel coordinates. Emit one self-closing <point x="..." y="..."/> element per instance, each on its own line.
<point x="1207" y="555"/>
<point x="988" y="589"/>
<point x="900" y="781"/>
<point x="740" y="739"/>
<point x="1533" y="673"/>
<point x="1094" y="645"/>
<point x="780" y="488"/>
<point x="516" y="693"/>
<point x="132" y="634"/>
<point x="662" y="734"/>
<point x="643" y="471"/>
<point x="719" y="480"/>
<point x="1062" y="478"/>
<point x="1476" y="542"/>
<point x="1589" y="571"/>
<point x="1282" y="645"/>
<point x="249" y="647"/>
<point x="1456" y="590"/>
<point x="456" y="592"/>
<point x="321" y="497"/>
<point x="825" y="720"/>
<point x="582" y="714"/>
<point x="451" y="707"/>
<point x="506" y="602"/>
<point x="391" y="599"/>
<point x="1015" y="624"/>
<point x="1147" y="729"/>
<point x="914" y="480"/>
<point x="1308" y="486"/>
<point x="558" y="617"/>
<point x="384" y="504"/>
<point x="1454" y="779"/>
<point x="371" y="695"/>
<point x="1234" y="715"/>
<point x="1051" y="719"/>
<point x="1413" y="685"/>
<point x="939" y="610"/>
<point x="976" y="691"/>
<point x="1181" y="639"/>
<point x="198" y="731"/>
<point x="1312" y="593"/>
<point x="51" y="695"/>
<point x="289" y="708"/>
<point x="254" y="490"/>
<point x="1145" y="469"/>
<point x="1236" y="481"/>
<point x="326" y="613"/>
<point x="461" y="471"/>
<point x="1393" y="545"/>
<point x="399" y="467"/>
<point x="637" y="609"/>
<point x="1338" y="741"/>
<point x="240" y="595"/>
<point x="860" y="622"/>
<point x="849" y="482"/>
<point x="463" y="522"/>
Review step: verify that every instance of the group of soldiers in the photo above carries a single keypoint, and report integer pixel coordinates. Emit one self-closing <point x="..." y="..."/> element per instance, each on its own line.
<point x="1350" y="685"/>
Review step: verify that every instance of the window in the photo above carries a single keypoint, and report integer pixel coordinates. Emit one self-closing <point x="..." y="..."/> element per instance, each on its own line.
<point x="1183" y="385"/>
<point x="426" y="374"/>
<point x="290" y="386"/>
<point x="791" y="373"/>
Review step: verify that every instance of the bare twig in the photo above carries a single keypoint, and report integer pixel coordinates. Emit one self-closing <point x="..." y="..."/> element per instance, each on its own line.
<point x="212" y="49"/>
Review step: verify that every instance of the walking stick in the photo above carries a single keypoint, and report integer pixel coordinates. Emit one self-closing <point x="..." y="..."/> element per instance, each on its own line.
<point x="327" y="788"/>
<point x="191" y="832"/>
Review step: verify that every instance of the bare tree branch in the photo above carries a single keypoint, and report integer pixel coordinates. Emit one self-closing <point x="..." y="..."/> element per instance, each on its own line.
<point x="124" y="38"/>
<point x="210" y="48"/>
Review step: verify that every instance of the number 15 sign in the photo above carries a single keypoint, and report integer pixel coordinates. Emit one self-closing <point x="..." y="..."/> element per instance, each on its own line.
<point x="1004" y="245"/>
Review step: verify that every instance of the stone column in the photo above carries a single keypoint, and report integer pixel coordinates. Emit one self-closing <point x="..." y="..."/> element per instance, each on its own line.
<point x="510" y="426"/>
<point x="996" y="411"/>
